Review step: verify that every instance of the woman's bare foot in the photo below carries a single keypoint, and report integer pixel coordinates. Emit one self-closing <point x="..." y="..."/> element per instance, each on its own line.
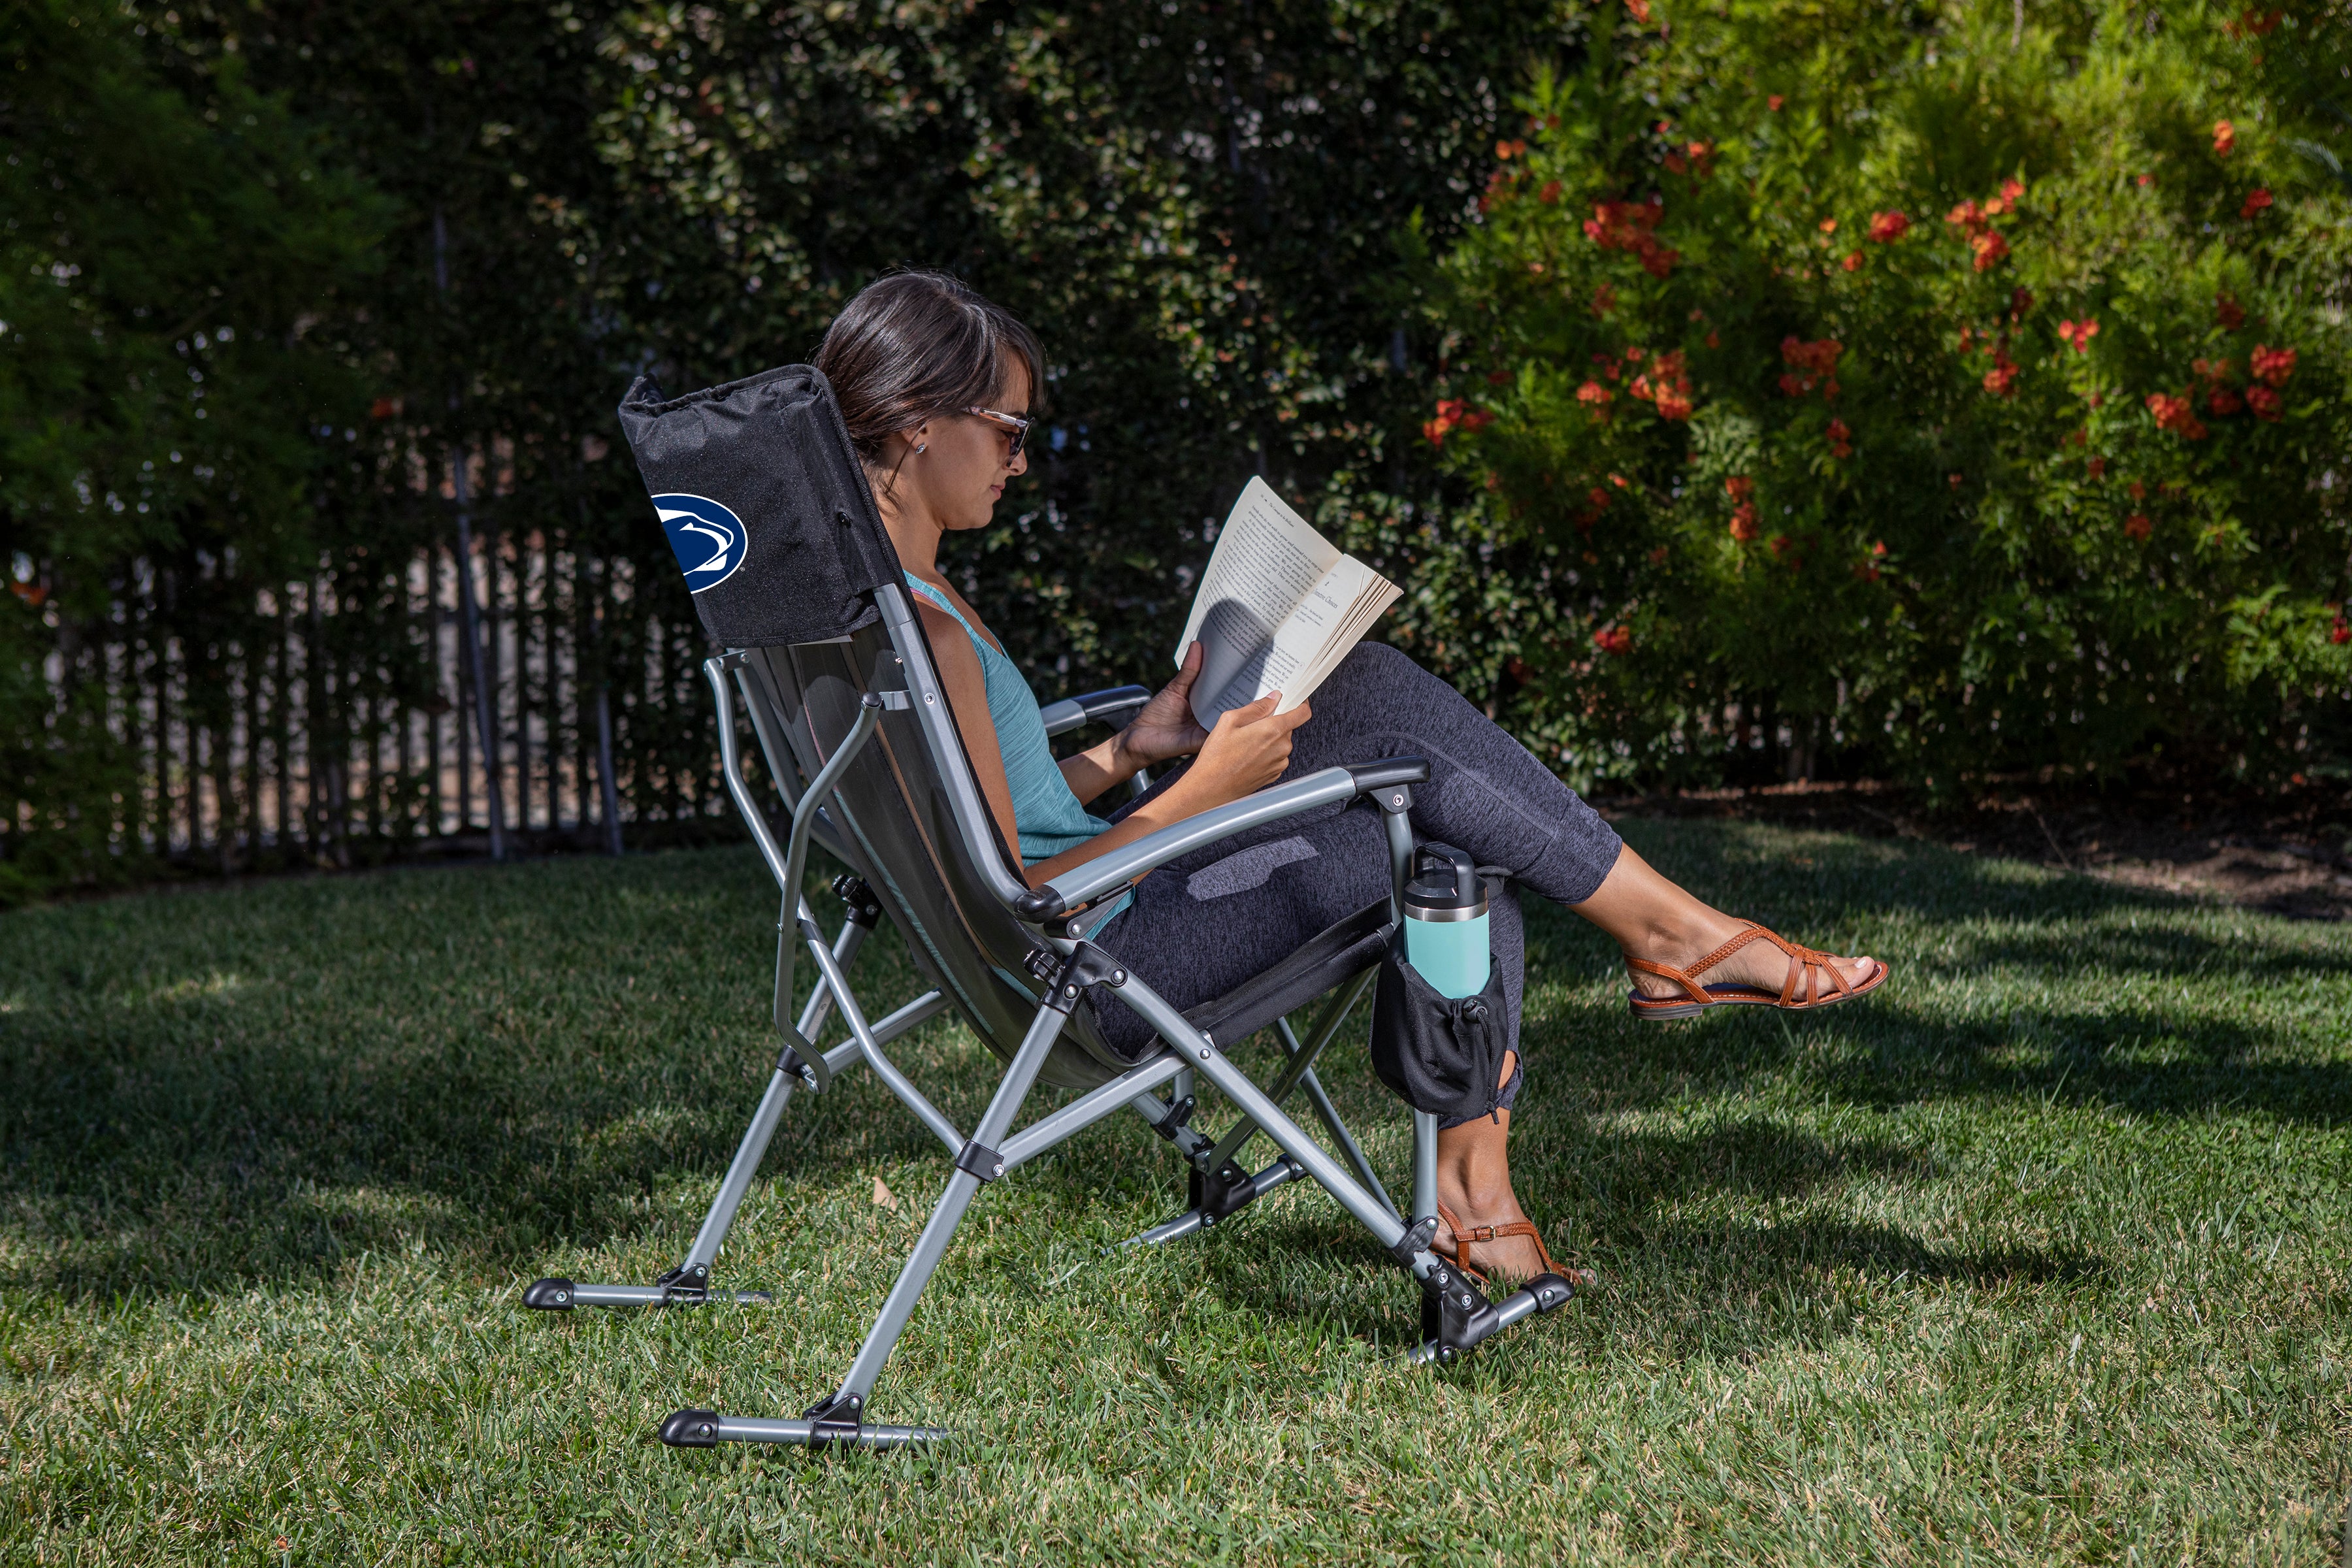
<point x="1759" y="964"/>
<point x="1656" y="920"/>
<point x="1474" y="1186"/>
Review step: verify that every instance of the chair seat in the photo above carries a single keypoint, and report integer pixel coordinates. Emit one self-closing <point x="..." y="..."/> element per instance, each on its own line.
<point x="1334" y="956"/>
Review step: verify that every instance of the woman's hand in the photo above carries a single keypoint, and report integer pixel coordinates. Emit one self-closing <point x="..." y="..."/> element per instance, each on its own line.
<point x="1246" y="751"/>
<point x="1164" y="727"/>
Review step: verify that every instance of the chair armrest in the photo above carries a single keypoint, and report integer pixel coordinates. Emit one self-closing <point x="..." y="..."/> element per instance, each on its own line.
<point x="1071" y="713"/>
<point x="1085" y="883"/>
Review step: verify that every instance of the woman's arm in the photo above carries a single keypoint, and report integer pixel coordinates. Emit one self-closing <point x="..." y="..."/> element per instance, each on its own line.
<point x="1246" y="751"/>
<point x="967" y="694"/>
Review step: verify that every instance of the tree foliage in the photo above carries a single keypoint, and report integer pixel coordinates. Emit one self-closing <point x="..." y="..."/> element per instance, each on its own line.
<point x="1957" y="388"/>
<point x="172" y="268"/>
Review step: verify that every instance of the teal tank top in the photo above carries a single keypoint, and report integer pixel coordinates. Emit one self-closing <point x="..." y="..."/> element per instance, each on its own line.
<point x="1048" y="815"/>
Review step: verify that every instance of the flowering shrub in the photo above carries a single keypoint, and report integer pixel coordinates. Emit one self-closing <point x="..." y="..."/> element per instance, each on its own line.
<point x="1769" y="462"/>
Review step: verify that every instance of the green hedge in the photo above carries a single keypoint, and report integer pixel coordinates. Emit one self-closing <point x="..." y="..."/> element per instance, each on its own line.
<point x="1934" y="391"/>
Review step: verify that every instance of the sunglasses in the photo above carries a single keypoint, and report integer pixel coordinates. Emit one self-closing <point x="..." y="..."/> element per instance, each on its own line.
<point x="1015" y="428"/>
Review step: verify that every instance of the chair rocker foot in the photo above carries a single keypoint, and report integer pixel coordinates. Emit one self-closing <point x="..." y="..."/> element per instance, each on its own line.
<point x="1218" y="1195"/>
<point x="708" y="1430"/>
<point x="1457" y="1317"/>
<point x="554" y="1295"/>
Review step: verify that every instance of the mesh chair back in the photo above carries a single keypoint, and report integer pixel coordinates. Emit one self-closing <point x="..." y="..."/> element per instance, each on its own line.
<point x="894" y="817"/>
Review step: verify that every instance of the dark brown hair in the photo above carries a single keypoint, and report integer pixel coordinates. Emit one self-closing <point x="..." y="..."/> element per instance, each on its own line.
<point x="915" y="345"/>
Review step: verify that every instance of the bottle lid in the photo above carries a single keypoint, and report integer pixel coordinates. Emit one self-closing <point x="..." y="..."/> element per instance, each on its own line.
<point x="1445" y="886"/>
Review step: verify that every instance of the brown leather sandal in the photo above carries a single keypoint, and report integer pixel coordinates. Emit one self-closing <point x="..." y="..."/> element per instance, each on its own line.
<point x="1807" y="971"/>
<point x="1583" y="1279"/>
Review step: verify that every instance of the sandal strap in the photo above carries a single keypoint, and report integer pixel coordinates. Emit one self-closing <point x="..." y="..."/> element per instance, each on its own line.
<point x="1691" y="987"/>
<point x="1464" y="1235"/>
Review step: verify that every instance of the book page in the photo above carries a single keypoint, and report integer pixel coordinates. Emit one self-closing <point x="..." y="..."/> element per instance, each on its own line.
<point x="1268" y="560"/>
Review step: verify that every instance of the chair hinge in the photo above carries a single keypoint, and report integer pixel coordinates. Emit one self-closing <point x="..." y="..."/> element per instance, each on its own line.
<point x="1170" y="1125"/>
<point x="979" y="1160"/>
<point x="834" y="1419"/>
<point x="814" y="1075"/>
<point x="1087" y="966"/>
<point x="865" y="909"/>
<point x="1415" y="1240"/>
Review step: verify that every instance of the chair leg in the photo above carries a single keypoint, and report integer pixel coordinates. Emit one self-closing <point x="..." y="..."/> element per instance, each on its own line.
<point x="1218" y="1187"/>
<point x="840" y="1417"/>
<point x="688" y="1283"/>
<point x="1457" y="1316"/>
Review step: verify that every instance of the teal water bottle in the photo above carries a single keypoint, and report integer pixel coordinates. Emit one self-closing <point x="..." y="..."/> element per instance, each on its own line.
<point x="1445" y="921"/>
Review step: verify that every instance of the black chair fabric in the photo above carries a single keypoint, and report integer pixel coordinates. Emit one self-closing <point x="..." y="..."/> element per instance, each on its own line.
<point x="766" y="506"/>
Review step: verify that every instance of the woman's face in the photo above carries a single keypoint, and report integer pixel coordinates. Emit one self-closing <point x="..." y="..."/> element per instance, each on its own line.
<point x="963" y="468"/>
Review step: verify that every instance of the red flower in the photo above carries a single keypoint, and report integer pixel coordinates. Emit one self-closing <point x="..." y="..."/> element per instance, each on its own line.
<point x="2001" y="379"/>
<point x="2079" y="334"/>
<point x="1598" y="497"/>
<point x="1959" y="479"/>
<point x="2229" y="313"/>
<point x="2256" y="200"/>
<point x="2139" y="526"/>
<point x="2225" y="138"/>
<point x="383" y="408"/>
<point x="2138" y="490"/>
<point x="1595" y="396"/>
<point x="1817" y="359"/>
<point x="1828" y="225"/>
<point x="2145" y="180"/>
<point x="2010" y="190"/>
<point x="1785" y="547"/>
<point x="1453" y="414"/>
<point x="1888" y="226"/>
<point x="1743" y="522"/>
<point x="1640" y="9"/>
<point x="1774" y="102"/>
<point x="1853" y="263"/>
<point x="1968" y="215"/>
<point x="2266" y="403"/>
<point x="2175" y="413"/>
<point x="1839" y="439"/>
<point x="1549" y="194"/>
<point x="2098" y="466"/>
<point x="1990" y="248"/>
<point x="2273" y="365"/>
<point x="2223" y="402"/>
<point x="1615" y="639"/>
<point x="1626" y="225"/>
<point x="1604" y="300"/>
<point x="2342" y="631"/>
<point x="1740" y="486"/>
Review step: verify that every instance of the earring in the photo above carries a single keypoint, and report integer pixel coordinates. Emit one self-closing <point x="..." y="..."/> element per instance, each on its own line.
<point x="921" y="447"/>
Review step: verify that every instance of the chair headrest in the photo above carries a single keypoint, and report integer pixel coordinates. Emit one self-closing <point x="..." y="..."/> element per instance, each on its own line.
<point x="766" y="506"/>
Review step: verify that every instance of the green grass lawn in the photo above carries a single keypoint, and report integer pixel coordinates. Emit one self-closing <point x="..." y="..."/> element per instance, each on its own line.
<point x="2042" y="1255"/>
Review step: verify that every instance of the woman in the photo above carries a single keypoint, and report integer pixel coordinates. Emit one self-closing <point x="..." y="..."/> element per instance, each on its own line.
<point x="934" y="383"/>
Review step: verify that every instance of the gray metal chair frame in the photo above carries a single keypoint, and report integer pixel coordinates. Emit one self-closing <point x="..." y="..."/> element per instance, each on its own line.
<point x="858" y="739"/>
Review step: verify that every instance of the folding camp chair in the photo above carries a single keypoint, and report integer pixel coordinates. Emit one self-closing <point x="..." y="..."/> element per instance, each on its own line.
<point x="857" y="734"/>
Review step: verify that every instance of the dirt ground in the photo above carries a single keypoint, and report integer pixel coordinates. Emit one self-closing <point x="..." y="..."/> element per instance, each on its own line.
<point x="2289" y="855"/>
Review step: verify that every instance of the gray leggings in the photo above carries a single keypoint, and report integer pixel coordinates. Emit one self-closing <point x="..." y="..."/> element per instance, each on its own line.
<point x="1202" y="925"/>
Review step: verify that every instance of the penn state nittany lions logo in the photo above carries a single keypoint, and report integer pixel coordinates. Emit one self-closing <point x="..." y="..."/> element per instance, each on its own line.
<point x="708" y="539"/>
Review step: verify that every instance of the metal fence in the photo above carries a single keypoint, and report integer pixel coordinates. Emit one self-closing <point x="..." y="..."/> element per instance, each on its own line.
<point x="334" y="719"/>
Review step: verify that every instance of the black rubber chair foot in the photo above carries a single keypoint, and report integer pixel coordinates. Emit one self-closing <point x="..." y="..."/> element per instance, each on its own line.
<point x="548" y="1295"/>
<point x="691" y="1429"/>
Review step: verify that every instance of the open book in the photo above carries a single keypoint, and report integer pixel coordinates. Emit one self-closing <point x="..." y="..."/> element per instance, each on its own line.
<point x="1277" y="610"/>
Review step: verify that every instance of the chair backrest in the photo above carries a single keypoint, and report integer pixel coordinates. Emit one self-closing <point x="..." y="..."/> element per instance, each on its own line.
<point x="907" y="815"/>
<point x="775" y="529"/>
